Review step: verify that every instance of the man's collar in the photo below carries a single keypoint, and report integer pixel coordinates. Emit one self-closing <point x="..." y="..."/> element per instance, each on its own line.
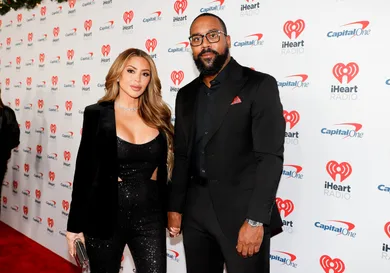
<point x="222" y="75"/>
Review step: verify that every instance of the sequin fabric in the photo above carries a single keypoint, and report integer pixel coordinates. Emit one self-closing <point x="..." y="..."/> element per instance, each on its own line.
<point x="140" y="216"/>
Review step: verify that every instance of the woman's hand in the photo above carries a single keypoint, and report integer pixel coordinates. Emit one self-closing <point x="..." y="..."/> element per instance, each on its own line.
<point x="71" y="237"/>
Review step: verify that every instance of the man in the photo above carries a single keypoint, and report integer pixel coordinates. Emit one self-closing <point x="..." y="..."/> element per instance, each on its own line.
<point x="229" y="144"/>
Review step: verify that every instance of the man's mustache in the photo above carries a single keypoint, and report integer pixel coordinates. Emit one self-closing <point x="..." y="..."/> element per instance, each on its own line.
<point x="209" y="50"/>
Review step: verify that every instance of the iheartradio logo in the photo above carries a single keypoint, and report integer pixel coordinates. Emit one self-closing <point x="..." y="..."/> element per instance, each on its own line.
<point x="67" y="156"/>
<point x="54" y="80"/>
<point x="71" y="3"/>
<point x="52" y="176"/>
<point x="285" y="205"/>
<point x="40" y="104"/>
<point x="177" y="77"/>
<point x="28" y="81"/>
<point x="387" y="229"/>
<point x="180" y="6"/>
<point x="68" y="105"/>
<point x="39" y="149"/>
<point x="88" y="25"/>
<point x="50" y="222"/>
<point x="7" y="81"/>
<point x="349" y="70"/>
<point x="5" y="200"/>
<point x="70" y="54"/>
<point x="86" y="79"/>
<point x="56" y="31"/>
<point x="292" y="117"/>
<point x="106" y="50"/>
<point x="15" y="185"/>
<point x="296" y="27"/>
<point x="128" y="16"/>
<point x="25" y="210"/>
<point x="151" y="44"/>
<point x="53" y="128"/>
<point x="18" y="60"/>
<point x="42" y="57"/>
<point x="19" y="17"/>
<point x="30" y="36"/>
<point x="332" y="265"/>
<point x="43" y="11"/>
<point x="344" y="170"/>
<point x="65" y="205"/>
<point x="26" y="168"/>
<point x="27" y="124"/>
<point x="37" y="194"/>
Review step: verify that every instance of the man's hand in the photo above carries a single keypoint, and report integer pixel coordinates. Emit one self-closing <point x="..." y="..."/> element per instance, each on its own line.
<point x="174" y="224"/>
<point x="249" y="240"/>
<point x="71" y="237"/>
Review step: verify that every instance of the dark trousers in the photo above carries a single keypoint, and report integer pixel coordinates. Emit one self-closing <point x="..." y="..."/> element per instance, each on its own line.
<point x="207" y="248"/>
<point x="3" y="170"/>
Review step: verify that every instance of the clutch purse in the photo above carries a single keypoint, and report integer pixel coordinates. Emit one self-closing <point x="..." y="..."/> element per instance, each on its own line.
<point x="81" y="256"/>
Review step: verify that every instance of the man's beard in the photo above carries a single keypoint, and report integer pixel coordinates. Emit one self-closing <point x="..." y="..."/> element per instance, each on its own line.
<point x="214" y="65"/>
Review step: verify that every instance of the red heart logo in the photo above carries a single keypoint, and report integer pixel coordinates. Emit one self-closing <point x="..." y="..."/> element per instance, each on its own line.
<point x="68" y="105"/>
<point x="53" y="128"/>
<point x="30" y="37"/>
<point x="5" y="200"/>
<point x="29" y="81"/>
<point x="52" y="176"/>
<point x="56" y="31"/>
<point x="19" y="17"/>
<point x="65" y="205"/>
<point x="18" y="60"/>
<point x="54" y="80"/>
<point x="42" y="57"/>
<point x="177" y="77"/>
<point x="17" y="102"/>
<point x="39" y="149"/>
<point x="88" y="25"/>
<point x="285" y="205"/>
<point x="328" y="264"/>
<point x="290" y="27"/>
<point x="26" y="168"/>
<point x="292" y="117"/>
<point x="43" y="10"/>
<point x="50" y="222"/>
<point x="15" y="184"/>
<point x="86" y="79"/>
<point x="128" y="16"/>
<point x="387" y="229"/>
<point x="344" y="169"/>
<point x="106" y="50"/>
<point x="40" y="104"/>
<point x="151" y="44"/>
<point x="70" y="54"/>
<point x="350" y="71"/>
<point x="71" y="3"/>
<point x="25" y="210"/>
<point x="38" y="194"/>
<point x="180" y="6"/>
<point x="67" y="155"/>
<point x="27" y="124"/>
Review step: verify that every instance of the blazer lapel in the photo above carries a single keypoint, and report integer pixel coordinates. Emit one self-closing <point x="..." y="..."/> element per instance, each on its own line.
<point x="228" y="91"/>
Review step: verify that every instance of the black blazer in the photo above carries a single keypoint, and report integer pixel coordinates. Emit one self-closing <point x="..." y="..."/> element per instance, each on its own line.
<point x="9" y="133"/>
<point x="244" y="150"/>
<point x="95" y="186"/>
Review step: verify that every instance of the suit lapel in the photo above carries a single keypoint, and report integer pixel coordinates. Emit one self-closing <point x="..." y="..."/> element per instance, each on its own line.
<point x="107" y="130"/>
<point x="228" y="91"/>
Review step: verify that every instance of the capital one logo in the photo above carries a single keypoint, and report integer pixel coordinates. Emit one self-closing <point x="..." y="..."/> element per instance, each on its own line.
<point x="27" y="124"/>
<point x="344" y="170"/>
<point x="387" y="229"/>
<point x="19" y="17"/>
<point x="38" y="194"/>
<point x="292" y="117"/>
<point x="65" y="205"/>
<point x="87" y="25"/>
<point x="43" y="10"/>
<point x="68" y="105"/>
<point x="50" y="222"/>
<point x="28" y="81"/>
<point x="70" y="54"/>
<point x="332" y="265"/>
<point x="106" y="50"/>
<point x="67" y="155"/>
<point x="54" y="80"/>
<point x="40" y="104"/>
<point x="71" y="3"/>
<point x="180" y="6"/>
<point x="296" y="27"/>
<point x="30" y="36"/>
<point x="285" y="205"/>
<point x="86" y="78"/>
<point x="56" y="31"/>
<point x="18" y="60"/>
<point x="53" y="128"/>
<point x="151" y="44"/>
<point x="128" y="16"/>
<point x="349" y="70"/>
<point x="39" y="149"/>
<point x="42" y="57"/>
<point x="177" y="77"/>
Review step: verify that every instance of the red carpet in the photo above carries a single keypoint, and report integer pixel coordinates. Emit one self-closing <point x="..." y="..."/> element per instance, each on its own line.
<point x="19" y="254"/>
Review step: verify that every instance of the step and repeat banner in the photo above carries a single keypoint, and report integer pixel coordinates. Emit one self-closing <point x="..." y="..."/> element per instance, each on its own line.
<point x="332" y="65"/>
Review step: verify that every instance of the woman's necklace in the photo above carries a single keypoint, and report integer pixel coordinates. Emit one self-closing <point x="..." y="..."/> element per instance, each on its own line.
<point x="127" y="108"/>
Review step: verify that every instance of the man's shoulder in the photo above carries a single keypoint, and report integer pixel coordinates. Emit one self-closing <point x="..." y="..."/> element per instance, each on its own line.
<point x="8" y="111"/>
<point x="189" y="87"/>
<point x="257" y="75"/>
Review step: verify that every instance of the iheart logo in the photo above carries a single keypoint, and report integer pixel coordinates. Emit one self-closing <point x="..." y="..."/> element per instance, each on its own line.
<point x="65" y="205"/>
<point x="292" y="117"/>
<point x="50" y="222"/>
<point x="15" y="184"/>
<point x="177" y="77"/>
<point x="287" y="206"/>
<point x="336" y="265"/>
<point x="39" y="149"/>
<point x="38" y="194"/>
<point x="40" y="104"/>
<point x="70" y="54"/>
<point x="71" y="3"/>
<point x="128" y="16"/>
<point x="52" y="176"/>
<point x="43" y="10"/>
<point x="350" y="71"/>
<point x="86" y="78"/>
<point x="151" y="44"/>
<point x="106" y="50"/>
<point x="5" y="200"/>
<point x="343" y="169"/>
<point x="53" y="128"/>
<point x="298" y="26"/>
<point x="30" y="36"/>
<point x="7" y="81"/>
<point x="18" y="60"/>
<point x="54" y="80"/>
<point x="88" y="25"/>
<point x="387" y="229"/>
<point x="68" y="105"/>
<point x="67" y="155"/>
<point x="29" y="81"/>
<point x="27" y="124"/>
<point x="25" y="210"/>
<point x="26" y="168"/>
<point x="17" y="102"/>
<point x="42" y="57"/>
<point x="56" y="31"/>
<point x="19" y="17"/>
<point x="180" y="6"/>
<point x="9" y="41"/>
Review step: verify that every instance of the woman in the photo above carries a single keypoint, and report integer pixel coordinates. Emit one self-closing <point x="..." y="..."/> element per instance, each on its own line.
<point x="9" y="137"/>
<point x="123" y="164"/>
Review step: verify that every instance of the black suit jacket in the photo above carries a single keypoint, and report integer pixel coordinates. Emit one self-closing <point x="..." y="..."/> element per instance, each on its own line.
<point x="244" y="150"/>
<point x="93" y="208"/>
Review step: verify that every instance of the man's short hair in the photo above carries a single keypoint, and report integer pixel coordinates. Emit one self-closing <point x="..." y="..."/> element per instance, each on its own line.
<point x="212" y="15"/>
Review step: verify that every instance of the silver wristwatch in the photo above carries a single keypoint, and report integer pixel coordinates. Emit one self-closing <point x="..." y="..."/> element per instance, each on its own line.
<point x="254" y="223"/>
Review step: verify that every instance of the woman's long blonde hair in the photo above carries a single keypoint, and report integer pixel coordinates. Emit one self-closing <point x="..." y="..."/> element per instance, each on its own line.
<point x="152" y="109"/>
